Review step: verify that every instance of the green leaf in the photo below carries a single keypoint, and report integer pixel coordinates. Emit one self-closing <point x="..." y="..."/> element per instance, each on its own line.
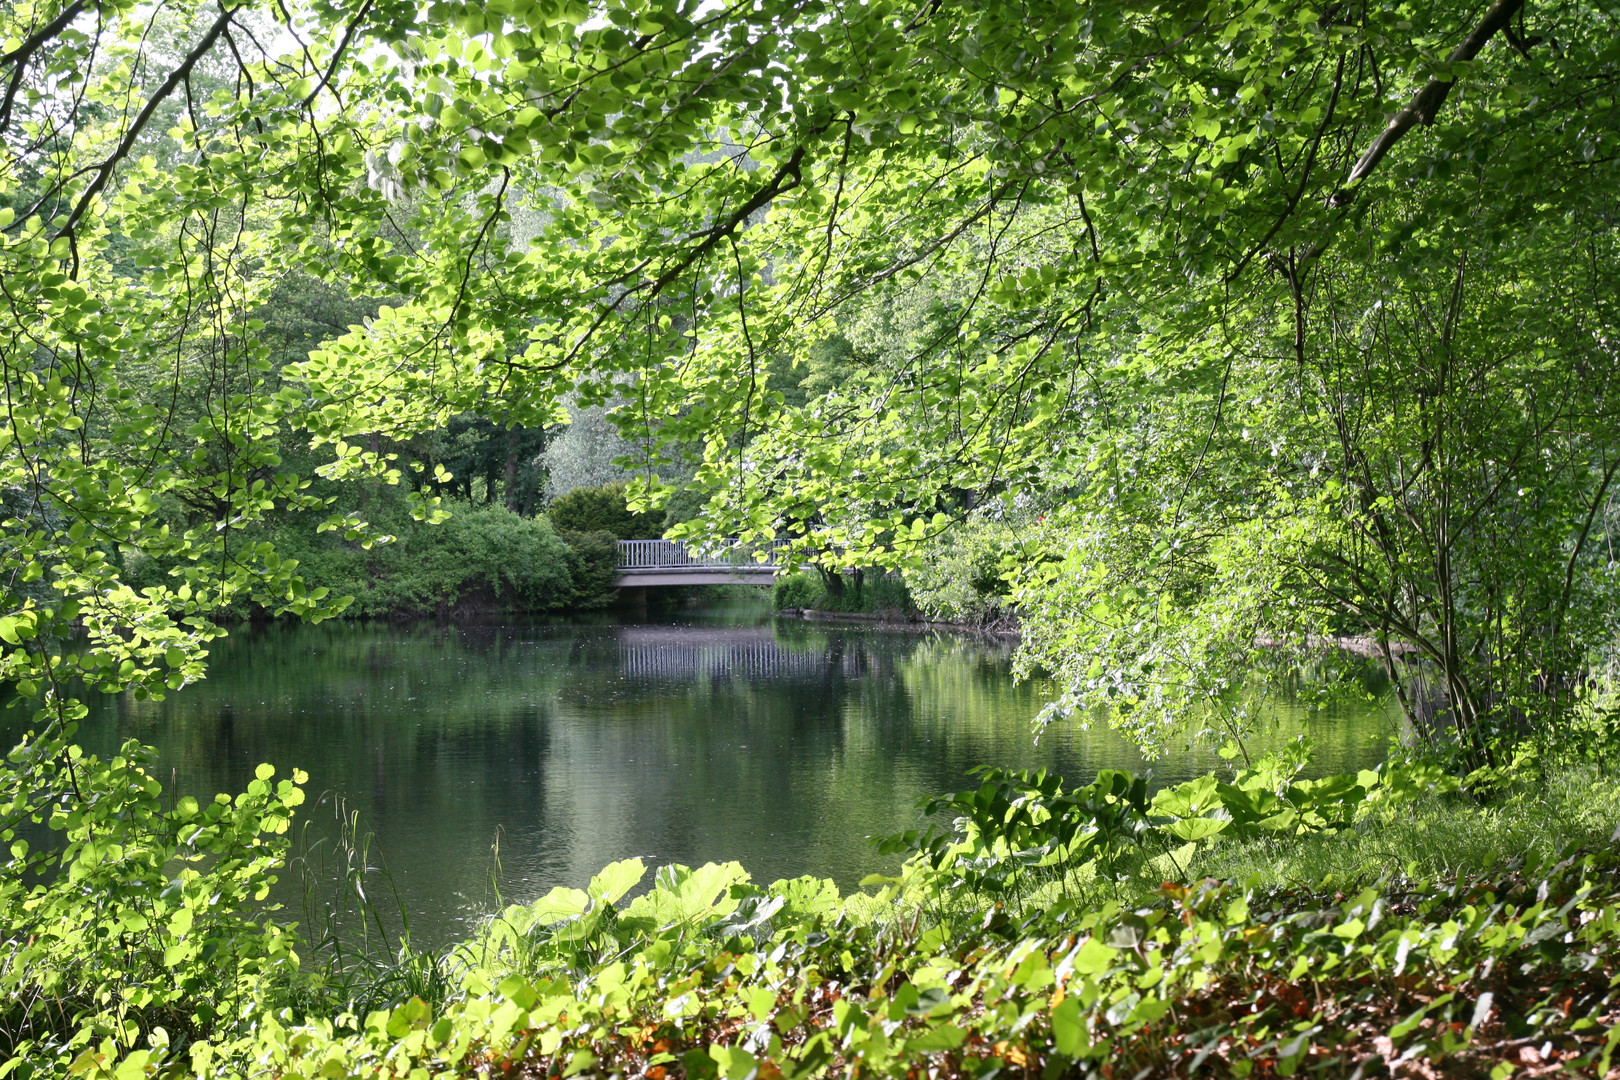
<point x="1068" y="1029"/>
<point x="1194" y="829"/>
<point x="937" y="1038"/>
<point x="1093" y="957"/>
<point x="615" y="879"/>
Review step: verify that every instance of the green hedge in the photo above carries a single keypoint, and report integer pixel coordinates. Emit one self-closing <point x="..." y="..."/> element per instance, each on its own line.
<point x="603" y="509"/>
<point x="795" y="591"/>
<point x="482" y="558"/>
<point x="869" y="594"/>
<point x="594" y="563"/>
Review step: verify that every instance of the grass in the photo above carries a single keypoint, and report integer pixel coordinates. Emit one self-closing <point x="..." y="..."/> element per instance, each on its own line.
<point x="1532" y="824"/>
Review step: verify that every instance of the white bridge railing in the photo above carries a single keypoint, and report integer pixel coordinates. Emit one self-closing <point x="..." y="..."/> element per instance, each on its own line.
<point x="677" y="555"/>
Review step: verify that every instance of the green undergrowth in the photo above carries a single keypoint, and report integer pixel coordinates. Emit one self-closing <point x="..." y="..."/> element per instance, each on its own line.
<point x="1249" y="924"/>
<point x="863" y="595"/>
<point x="1437" y="835"/>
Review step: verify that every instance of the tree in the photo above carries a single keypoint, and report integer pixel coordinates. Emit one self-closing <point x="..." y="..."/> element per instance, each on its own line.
<point x="1118" y="209"/>
<point x="585" y="454"/>
<point x="1417" y="452"/>
<point x="602" y="509"/>
<point x="473" y="448"/>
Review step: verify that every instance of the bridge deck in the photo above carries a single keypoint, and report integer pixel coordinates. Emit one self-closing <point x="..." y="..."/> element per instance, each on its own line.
<point x="673" y="562"/>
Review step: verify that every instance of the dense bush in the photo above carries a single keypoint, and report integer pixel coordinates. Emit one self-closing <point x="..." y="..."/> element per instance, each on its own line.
<point x="603" y="509"/>
<point x="594" y="564"/>
<point x="482" y="558"/>
<point x="870" y="594"/>
<point x="139" y="922"/>
<point x="795" y="591"/>
<point x="878" y="594"/>
<point x="487" y="557"/>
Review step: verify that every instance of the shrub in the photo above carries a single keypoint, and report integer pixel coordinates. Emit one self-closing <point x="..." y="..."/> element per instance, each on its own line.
<point x="483" y="557"/>
<point x="801" y="590"/>
<point x="959" y="578"/>
<point x="603" y="509"/>
<point x="1066" y="930"/>
<point x="593" y="560"/>
<point x="143" y="920"/>
<point x="866" y="594"/>
<point x="886" y="594"/>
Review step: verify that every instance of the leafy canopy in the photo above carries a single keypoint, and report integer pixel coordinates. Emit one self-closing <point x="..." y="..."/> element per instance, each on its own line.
<point x="1169" y="270"/>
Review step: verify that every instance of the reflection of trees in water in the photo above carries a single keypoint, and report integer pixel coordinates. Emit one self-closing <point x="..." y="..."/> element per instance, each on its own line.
<point x="781" y="745"/>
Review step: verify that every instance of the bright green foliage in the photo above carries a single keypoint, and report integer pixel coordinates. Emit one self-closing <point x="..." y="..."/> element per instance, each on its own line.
<point x="963" y="574"/>
<point x="151" y="950"/>
<point x="708" y="975"/>
<point x="143" y="416"/>
<point x="138" y="919"/>
<point x="487" y="557"/>
<point x="479" y="558"/>
<point x="1023" y="832"/>
<point x="1419" y="471"/>
<point x="1283" y="367"/>
<point x="1147" y="989"/>
<point x="796" y="591"/>
<point x="849" y="592"/>
<point x="1300" y="319"/>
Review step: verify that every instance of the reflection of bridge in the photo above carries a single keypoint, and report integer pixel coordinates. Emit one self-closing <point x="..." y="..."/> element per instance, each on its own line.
<point x="694" y="652"/>
<point x="671" y="562"/>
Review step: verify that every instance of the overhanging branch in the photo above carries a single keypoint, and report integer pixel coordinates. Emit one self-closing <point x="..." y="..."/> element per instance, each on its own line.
<point x="104" y="171"/>
<point x="1425" y="104"/>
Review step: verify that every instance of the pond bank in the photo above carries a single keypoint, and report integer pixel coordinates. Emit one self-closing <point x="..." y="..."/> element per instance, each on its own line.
<point x="1008" y="628"/>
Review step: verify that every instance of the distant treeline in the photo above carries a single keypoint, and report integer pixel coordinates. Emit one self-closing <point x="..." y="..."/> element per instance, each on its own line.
<point x="483" y="558"/>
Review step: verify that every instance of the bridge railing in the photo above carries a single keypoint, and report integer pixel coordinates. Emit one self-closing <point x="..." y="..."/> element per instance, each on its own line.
<point x="676" y="555"/>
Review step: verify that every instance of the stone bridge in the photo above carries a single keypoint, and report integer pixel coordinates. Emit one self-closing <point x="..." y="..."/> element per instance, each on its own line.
<point x="674" y="562"/>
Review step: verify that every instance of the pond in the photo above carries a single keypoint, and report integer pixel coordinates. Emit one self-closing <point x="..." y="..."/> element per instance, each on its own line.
<point x="684" y="736"/>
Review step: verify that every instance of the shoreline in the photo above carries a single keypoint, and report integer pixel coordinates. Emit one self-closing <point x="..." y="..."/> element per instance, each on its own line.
<point x="897" y="621"/>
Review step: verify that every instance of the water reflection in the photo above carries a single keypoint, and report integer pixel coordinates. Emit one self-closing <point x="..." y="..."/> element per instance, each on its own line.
<point x="695" y="737"/>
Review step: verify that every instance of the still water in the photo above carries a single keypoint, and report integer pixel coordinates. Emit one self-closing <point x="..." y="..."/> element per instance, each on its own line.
<point x="685" y="737"/>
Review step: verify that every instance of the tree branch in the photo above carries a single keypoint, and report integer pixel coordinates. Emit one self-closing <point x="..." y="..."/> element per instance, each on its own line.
<point x="337" y="54"/>
<point x="1425" y="104"/>
<point x="21" y="54"/>
<point x="179" y="75"/>
<point x="788" y="176"/>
